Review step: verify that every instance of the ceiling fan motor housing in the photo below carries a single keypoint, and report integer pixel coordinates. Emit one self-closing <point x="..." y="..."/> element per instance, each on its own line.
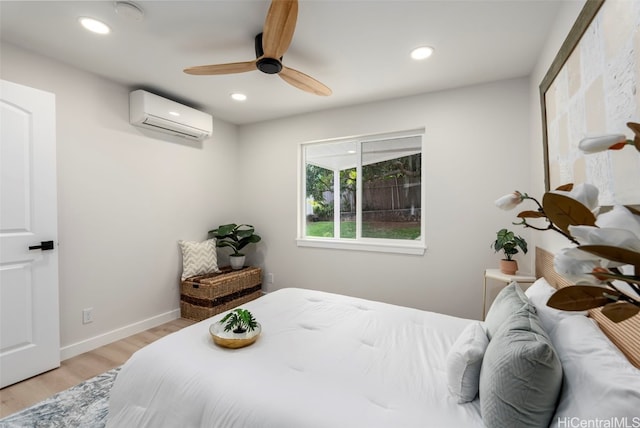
<point x="266" y="65"/>
<point x="269" y="65"/>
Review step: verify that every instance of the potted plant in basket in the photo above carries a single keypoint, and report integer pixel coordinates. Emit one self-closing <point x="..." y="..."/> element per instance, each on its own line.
<point x="236" y="237"/>
<point x="508" y="242"/>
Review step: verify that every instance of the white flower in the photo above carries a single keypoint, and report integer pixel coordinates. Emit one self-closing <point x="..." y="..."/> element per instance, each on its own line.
<point x="575" y="265"/>
<point x="601" y="143"/>
<point x="616" y="228"/>
<point x="621" y="238"/>
<point x="620" y="218"/>
<point x="586" y="194"/>
<point x="510" y="201"/>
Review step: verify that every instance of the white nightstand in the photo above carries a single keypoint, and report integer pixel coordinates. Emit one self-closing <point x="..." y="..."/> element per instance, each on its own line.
<point x="496" y="275"/>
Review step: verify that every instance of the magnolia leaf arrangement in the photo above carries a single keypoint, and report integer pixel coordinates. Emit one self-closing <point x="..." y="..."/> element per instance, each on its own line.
<point x="607" y="245"/>
<point x="239" y="320"/>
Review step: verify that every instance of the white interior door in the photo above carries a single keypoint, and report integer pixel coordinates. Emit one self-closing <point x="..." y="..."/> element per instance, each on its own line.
<point x="29" y="314"/>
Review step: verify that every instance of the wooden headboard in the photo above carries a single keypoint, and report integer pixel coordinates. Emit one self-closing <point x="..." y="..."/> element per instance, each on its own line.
<point x="625" y="335"/>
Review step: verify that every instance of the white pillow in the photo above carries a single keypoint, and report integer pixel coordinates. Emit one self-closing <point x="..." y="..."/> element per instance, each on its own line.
<point x="538" y="294"/>
<point x="598" y="382"/>
<point x="464" y="362"/>
<point x="198" y="258"/>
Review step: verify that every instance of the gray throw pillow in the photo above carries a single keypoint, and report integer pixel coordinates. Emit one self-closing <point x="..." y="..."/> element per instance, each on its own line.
<point x="521" y="375"/>
<point x="510" y="300"/>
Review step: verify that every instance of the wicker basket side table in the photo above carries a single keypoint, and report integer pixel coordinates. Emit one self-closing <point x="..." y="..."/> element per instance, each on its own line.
<point x="206" y="295"/>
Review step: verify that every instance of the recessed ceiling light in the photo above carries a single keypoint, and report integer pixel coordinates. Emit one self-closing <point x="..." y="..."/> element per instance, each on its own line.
<point x="238" y="96"/>
<point x="422" y="52"/>
<point x="94" y="25"/>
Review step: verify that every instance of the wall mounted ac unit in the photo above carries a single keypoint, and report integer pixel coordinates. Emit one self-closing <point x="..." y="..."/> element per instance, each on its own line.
<point x="152" y="111"/>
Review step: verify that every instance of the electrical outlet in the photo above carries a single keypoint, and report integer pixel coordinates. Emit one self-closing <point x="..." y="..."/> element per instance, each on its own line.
<point x="87" y="316"/>
<point x="269" y="278"/>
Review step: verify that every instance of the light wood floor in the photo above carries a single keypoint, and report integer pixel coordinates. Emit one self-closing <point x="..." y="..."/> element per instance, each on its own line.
<point x="80" y="368"/>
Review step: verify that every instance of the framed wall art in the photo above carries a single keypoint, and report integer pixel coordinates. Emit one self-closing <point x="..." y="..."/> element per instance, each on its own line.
<point x="592" y="88"/>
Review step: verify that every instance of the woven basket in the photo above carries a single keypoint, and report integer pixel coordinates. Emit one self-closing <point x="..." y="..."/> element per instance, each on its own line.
<point x="206" y="295"/>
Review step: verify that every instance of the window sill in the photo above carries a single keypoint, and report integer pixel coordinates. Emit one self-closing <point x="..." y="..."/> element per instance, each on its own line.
<point x="410" y="247"/>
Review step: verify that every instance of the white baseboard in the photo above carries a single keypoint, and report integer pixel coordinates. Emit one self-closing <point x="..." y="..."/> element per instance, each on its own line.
<point x="92" y="343"/>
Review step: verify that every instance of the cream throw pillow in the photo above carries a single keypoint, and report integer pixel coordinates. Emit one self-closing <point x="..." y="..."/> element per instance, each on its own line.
<point x="198" y="258"/>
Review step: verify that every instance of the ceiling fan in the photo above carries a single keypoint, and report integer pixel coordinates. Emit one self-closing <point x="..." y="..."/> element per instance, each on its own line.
<point x="270" y="46"/>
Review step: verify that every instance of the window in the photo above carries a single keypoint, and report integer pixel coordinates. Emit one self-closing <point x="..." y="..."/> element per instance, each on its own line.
<point x="363" y="193"/>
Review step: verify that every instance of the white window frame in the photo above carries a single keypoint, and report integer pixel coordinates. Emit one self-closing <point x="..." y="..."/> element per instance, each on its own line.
<point x="403" y="246"/>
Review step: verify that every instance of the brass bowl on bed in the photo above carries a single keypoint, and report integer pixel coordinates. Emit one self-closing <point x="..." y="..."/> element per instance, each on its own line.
<point x="229" y="339"/>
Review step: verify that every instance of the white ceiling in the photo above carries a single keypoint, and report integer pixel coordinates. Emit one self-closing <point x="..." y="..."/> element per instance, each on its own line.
<point x="359" y="48"/>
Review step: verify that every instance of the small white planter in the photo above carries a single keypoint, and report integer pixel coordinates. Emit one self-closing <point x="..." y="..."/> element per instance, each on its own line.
<point x="236" y="262"/>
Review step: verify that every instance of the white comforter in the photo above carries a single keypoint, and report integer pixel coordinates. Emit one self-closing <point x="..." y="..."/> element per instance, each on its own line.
<point x="322" y="360"/>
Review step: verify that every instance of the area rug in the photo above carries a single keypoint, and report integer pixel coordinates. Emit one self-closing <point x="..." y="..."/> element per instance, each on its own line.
<point x="83" y="406"/>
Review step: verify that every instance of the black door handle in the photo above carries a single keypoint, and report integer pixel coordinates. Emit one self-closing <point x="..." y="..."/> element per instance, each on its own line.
<point x="44" y="246"/>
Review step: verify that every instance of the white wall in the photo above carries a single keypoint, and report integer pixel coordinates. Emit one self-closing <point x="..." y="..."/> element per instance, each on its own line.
<point x="125" y="198"/>
<point x="564" y="21"/>
<point x="477" y="150"/>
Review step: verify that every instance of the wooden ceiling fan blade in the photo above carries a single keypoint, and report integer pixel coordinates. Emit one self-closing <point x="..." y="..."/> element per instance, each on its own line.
<point x="279" y="27"/>
<point x="304" y="82"/>
<point x="230" y="68"/>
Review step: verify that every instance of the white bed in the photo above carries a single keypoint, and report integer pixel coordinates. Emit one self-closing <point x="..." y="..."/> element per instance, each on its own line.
<point x="322" y="360"/>
<point x="331" y="361"/>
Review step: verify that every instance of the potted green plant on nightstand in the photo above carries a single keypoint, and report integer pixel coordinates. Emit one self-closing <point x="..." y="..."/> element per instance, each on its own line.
<point x="236" y="237"/>
<point x="508" y="242"/>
